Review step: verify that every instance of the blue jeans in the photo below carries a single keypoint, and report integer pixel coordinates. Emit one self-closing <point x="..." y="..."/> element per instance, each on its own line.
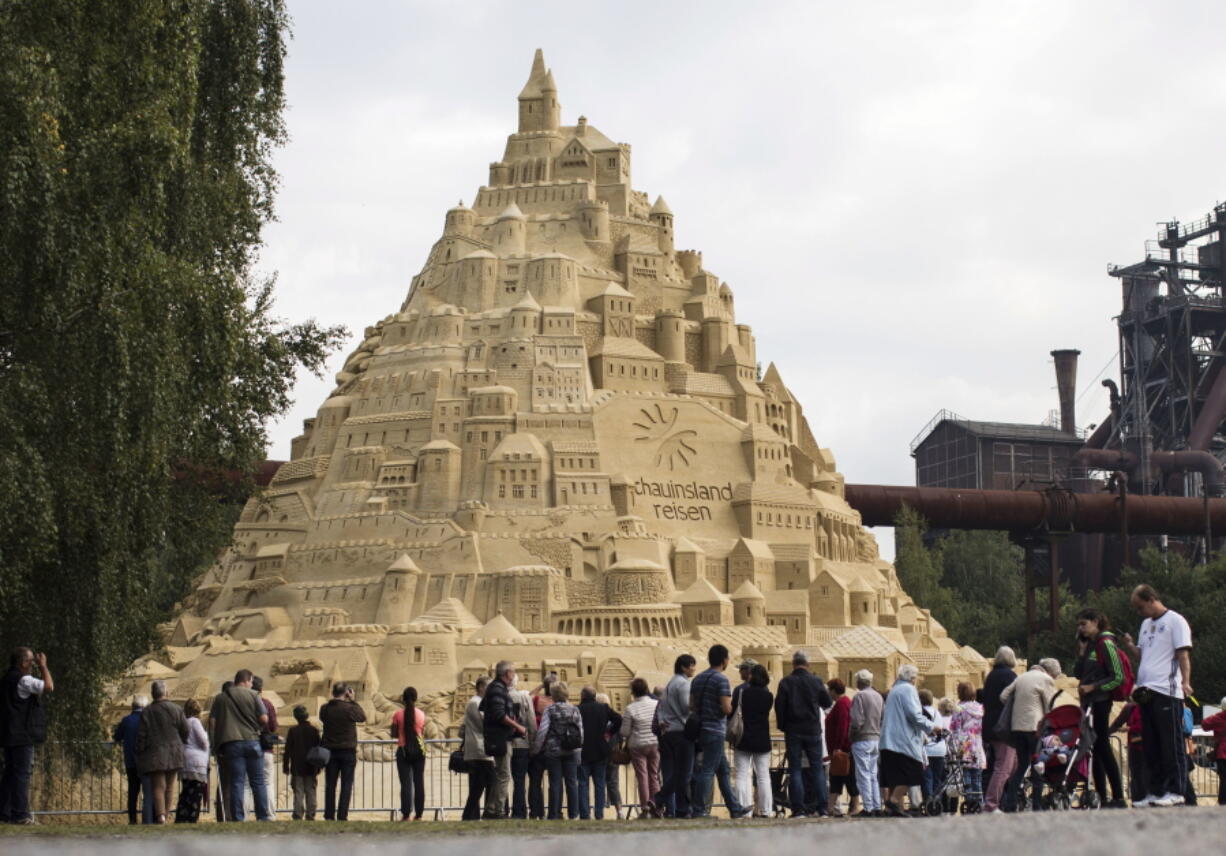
<point x="597" y="772"/>
<point x="677" y="769"/>
<point x="714" y="765"/>
<point x="562" y="769"/>
<point x="15" y="783"/>
<point x="934" y="775"/>
<point x="245" y="760"/>
<point x="806" y="785"/>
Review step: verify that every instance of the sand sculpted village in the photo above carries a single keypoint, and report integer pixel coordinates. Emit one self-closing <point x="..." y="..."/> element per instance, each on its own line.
<point x="560" y="449"/>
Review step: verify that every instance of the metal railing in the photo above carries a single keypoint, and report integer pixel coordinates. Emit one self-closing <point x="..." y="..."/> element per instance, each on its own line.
<point x="376" y="788"/>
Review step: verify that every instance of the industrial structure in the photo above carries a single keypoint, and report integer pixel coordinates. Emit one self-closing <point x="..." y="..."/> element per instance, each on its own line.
<point x="1163" y="437"/>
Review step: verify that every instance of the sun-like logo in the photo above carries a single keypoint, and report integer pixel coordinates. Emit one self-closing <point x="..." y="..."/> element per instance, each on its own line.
<point x="673" y="442"/>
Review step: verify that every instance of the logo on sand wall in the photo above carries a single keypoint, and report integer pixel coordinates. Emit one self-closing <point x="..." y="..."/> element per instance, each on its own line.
<point x="672" y="443"/>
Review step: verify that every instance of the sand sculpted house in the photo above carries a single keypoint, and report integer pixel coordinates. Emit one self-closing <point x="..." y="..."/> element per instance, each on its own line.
<point x="559" y="450"/>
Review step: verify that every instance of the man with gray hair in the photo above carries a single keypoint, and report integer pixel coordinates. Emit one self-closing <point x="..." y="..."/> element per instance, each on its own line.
<point x="159" y="751"/>
<point x="1032" y="695"/>
<point x="498" y="727"/>
<point x="865" y="735"/>
<point x="799" y="703"/>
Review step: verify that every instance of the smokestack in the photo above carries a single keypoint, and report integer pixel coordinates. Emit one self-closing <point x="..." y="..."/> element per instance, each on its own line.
<point x="1066" y="386"/>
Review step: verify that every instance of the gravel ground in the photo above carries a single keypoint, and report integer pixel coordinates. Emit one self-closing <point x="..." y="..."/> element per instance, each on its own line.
<point x="1165" y="832"/>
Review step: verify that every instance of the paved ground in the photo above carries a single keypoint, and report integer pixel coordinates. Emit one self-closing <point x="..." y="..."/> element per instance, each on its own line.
<point x="1151" y="832"/>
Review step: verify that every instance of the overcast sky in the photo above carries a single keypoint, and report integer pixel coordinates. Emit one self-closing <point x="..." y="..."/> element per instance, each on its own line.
<point x="914" y="202"/>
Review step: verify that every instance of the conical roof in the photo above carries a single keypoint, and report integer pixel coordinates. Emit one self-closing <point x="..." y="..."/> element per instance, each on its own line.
<point x="512" y="212"/>
<point x="661" y="207"/>
<point x="497" y="629"/>
<point x="528" y="302"/>
<point x="537" y="78"/>
<point x="748" y="591"/>
<point x="450" y="611"/>
<point x="701" y="592"/>
<point x="404" y="563"/>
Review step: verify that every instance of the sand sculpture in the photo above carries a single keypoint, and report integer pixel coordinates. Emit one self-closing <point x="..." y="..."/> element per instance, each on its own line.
<point x="560" y="450"/>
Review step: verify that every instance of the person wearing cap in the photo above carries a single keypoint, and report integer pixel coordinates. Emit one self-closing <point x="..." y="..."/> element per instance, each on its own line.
<point x="745" y="668"/>
<point x="304" y="776"/>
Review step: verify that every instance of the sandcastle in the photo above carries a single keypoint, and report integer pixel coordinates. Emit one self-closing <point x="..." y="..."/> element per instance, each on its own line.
<point x="560" y="451"/>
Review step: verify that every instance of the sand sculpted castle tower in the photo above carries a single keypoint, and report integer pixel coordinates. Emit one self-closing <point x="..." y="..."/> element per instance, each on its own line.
<point x="559" y="451"/>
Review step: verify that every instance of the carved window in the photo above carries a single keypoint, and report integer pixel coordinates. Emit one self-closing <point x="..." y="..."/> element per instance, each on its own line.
<point x="517" y="491"/>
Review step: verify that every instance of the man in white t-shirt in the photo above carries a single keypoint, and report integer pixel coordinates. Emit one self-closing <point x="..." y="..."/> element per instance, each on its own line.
<point x="1164" y="679"/>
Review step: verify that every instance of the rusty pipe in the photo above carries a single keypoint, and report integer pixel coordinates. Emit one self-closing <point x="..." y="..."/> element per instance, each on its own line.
<point x="1211" y="414"/>
<point x="1104" y="459"/>
<point x="1191" y="460"/>
<point x="1032" y="510"/>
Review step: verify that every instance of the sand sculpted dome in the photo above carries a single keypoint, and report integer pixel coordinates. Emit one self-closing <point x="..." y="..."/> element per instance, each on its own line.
<point x="560" y="450"/>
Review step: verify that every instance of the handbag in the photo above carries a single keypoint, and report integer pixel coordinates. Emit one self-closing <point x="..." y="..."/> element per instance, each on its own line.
<point x="456" y="762"/>
<point x="1004" y="723"/>
<point x="269" y="739"/>
<point x="840" y="763"/>
<point x="619" y="754"/>
<point x="318" y="756"/>
<point x="736" y="723"/>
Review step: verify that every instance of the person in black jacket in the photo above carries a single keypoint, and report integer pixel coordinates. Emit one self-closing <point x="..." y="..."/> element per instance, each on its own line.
<point x="340" y="718"/>
<point x="802" y="696"/>
<point x="499" y="726"/>
<point x="753" y="750"/>
<point x="22" y="726"/>
<point x="1001" y="675"/>
<point x="599" y="720"/>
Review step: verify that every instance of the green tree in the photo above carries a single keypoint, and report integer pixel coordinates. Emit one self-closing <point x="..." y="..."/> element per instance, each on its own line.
<point x="139" y="356"/>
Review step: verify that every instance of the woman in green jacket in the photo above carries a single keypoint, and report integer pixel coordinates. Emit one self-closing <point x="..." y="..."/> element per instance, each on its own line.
<point x="1100" y="670"/>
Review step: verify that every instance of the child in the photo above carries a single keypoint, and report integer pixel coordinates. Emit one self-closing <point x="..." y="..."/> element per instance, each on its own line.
<point x="1054" y="747"/>
<point x="304" y="777"/>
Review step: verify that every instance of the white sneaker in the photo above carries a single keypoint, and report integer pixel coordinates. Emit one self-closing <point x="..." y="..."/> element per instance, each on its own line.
<point x="1168" y="800"/>
<point x="1144" y="802"/>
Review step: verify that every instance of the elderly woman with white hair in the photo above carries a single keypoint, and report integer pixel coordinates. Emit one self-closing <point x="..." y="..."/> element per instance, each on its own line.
<point x="904" y="728"/>
<point x="1001" y="675"/>
<point x="1028" y="699"/>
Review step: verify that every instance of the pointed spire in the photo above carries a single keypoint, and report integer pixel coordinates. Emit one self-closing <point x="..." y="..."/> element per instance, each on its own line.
<point x="661" y="207"/>
<point x="538" y="78"/>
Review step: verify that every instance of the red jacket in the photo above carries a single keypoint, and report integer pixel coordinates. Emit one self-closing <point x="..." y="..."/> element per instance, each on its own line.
<point x="838" y="725"/>
<point x="1217" y="724"/>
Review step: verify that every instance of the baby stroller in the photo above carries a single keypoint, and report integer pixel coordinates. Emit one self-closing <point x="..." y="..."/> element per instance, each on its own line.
<point x="1071" y="725"/>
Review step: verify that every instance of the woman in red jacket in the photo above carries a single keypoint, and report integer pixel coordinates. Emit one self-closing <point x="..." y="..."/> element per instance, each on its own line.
<point x="838" y="740"/>
<point x="1217" y="724"/>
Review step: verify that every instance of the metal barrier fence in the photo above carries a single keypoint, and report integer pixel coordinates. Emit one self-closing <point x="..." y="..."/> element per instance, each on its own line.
<point x="376" y="788"/>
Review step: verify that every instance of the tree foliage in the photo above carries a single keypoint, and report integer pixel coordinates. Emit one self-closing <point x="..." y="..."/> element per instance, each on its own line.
<point x="973" y="583"/>
<point x="136" y="343"/>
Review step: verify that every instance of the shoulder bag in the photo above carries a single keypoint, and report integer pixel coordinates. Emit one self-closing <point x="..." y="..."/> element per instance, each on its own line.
<point x="736" y="723"/>
<point x="318" y="757"/>
<point x="1004" y="723"/>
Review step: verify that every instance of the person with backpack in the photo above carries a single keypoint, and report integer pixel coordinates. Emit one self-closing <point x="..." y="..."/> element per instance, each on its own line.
<point x="1105" y="676"/>
<point x="410" y="755"/>
<point x="559" y="739"/>
<point x="22" y="726"/>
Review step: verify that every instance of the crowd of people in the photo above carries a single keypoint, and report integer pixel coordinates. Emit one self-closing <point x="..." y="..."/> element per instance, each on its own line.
<point x="894" y="752"/>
